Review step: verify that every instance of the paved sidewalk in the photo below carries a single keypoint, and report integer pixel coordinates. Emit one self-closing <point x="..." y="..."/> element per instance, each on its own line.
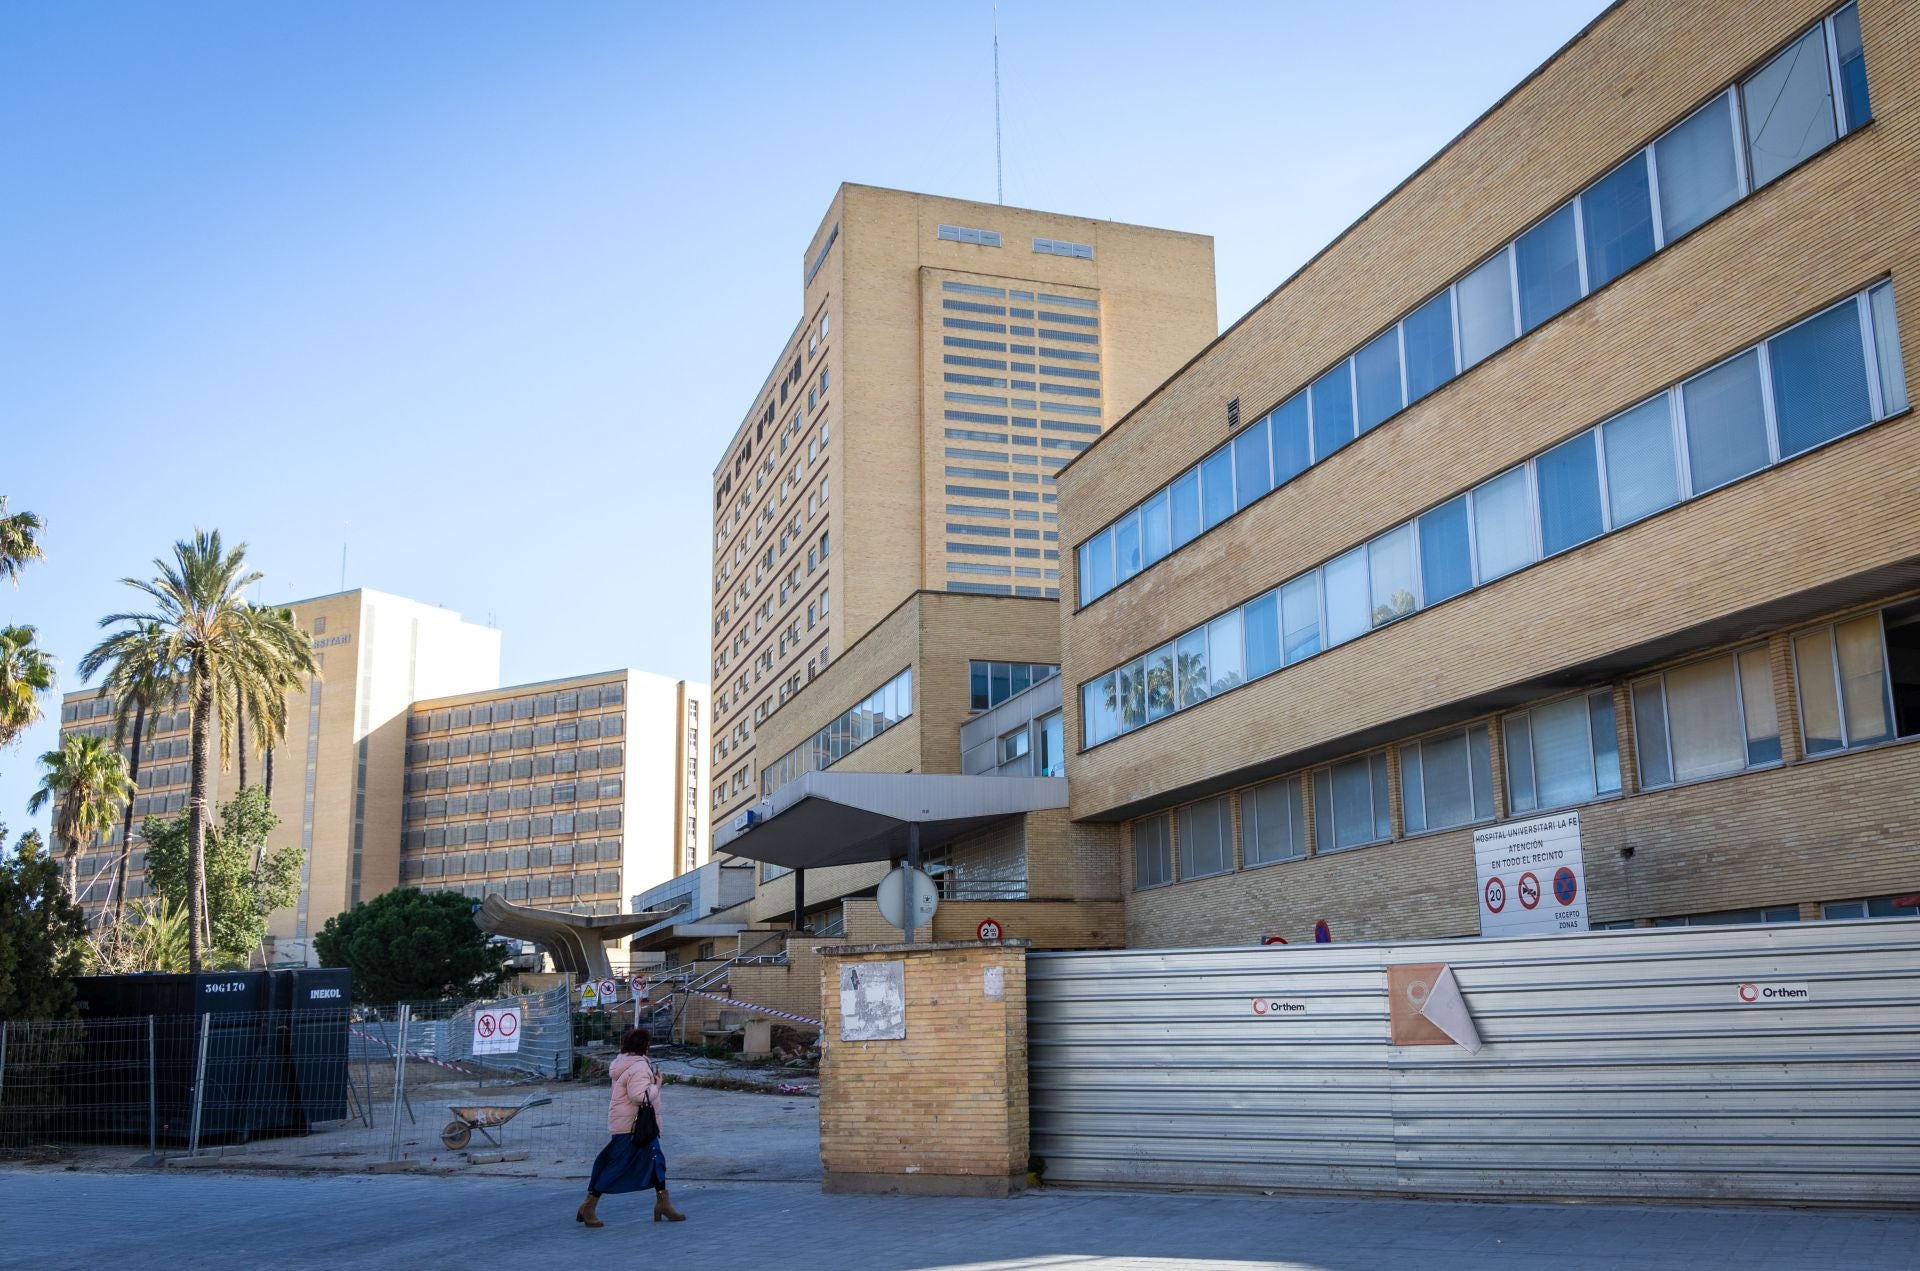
<point x="56" y="1219"/>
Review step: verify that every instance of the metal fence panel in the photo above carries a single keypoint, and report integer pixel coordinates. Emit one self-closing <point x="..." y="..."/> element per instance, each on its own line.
<point x="1615" y="1064"/>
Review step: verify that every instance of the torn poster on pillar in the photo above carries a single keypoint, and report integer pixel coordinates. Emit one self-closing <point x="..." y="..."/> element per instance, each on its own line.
<point x="873" y="1001"/>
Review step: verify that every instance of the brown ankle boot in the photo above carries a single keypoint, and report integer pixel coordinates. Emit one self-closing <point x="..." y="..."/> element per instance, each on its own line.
<point x="585" y="1213"/>
<point x="663" y="1210"/>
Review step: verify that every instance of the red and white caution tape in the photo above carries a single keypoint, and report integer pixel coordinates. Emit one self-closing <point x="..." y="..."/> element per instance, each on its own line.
<point x="413" y="1054"/>
<point x="760" y="1010"/>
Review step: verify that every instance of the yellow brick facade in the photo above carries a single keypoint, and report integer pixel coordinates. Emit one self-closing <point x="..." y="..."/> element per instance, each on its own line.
<point x="845" y="444"/>
<point x="1832" y="532"/>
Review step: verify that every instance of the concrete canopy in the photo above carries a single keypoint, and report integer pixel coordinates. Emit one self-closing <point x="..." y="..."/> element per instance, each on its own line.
<point x="847" y="818"/>
<point x="576" y="942"/>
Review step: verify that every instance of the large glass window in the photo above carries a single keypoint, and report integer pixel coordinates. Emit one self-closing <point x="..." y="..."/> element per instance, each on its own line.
<point x="1819" y="379"/>
<point x="1184" y="506"/>
<point x="1096" y="565"/>
<point x="1052" y="758"/>
<point x="1155" y="534"/>
<point x="1126" y="547"/>
<point x="1292" y="449"/>
<point x="1616" y="214"/>
<point x="991" y="683"/>
<point x="1788" y="108"/>
<point x="1262" y="622"/>
<point x="1300" y="617"/>
<point x="1206" y="838"/>
<point x="1562" y="753"/>
<point x="1446" y="556"/>
<point x="1332" y="412"/>
<point x="1447" y="780"/>
<point x="1130" y="683"/>
<point x="1726" y="422"/>
<point x="1706" y="719"/>
<point x="1216" y="487"/>
<point x="1486" y="310"/>
<point x="1153" y="850"/>
<point x="1349" y="603"/>
<point x="1160" y="698"/>
<point x="1350" y="803"/>
<point x="1099" y="714"/>
<point x="1394" y="591"/>
<point x="1226" y="653"/>
<point x="1190" y="668"/>
<point x="1853" y="66"/>
<point x="1376" y="370"/>
<point x="1547" y="262"/>
<point x="1273" y="822"/>
<point x="1886" y="342"/>
<point x="1699" y="172"/>
<point x="1429" y="346"/>
<point x="1252" y="466"/>
<point x="1641" y="476"/>
<point x="1503" y="524"/>
<point x="1845" y="700"/>
<point x="1569" y="484"/>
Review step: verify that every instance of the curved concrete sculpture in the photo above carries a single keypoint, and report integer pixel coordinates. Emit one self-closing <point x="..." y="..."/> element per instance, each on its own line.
<point x="577" y="942"/>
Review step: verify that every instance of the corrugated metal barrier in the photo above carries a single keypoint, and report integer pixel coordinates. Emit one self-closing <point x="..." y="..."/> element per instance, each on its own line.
<point x="1620" y="1064"/>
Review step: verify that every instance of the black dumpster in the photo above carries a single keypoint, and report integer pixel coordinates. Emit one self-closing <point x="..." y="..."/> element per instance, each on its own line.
<point x="276" y="1053"/>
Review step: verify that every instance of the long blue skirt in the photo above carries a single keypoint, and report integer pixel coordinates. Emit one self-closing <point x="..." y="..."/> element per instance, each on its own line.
<point x="626" y="1165"/>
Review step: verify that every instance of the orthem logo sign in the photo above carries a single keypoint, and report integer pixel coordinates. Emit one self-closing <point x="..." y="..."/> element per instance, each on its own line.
<point x="1271" y="1006"/>
<point x="1757" y="994"/>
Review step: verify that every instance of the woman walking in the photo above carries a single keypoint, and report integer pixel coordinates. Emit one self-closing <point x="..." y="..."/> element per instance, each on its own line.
<point x="632" y="1160"/>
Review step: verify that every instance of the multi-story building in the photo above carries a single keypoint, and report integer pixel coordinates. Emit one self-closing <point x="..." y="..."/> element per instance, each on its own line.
<point x="1578" y="476"/>
<point x="526" y="790"/>
<point x="950" y="357"/>
<point x="352" y="783"/>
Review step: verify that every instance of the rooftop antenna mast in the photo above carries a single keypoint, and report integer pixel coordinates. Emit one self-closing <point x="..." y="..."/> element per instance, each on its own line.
<point x="999" y="175"/>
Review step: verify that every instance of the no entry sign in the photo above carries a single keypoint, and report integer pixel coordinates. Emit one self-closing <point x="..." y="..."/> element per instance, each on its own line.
<point x="496" y="1030"/>
<point x="1537" y="864"/>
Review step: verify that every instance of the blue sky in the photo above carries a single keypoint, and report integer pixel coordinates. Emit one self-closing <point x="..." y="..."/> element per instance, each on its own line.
<point x="480" y="290"/>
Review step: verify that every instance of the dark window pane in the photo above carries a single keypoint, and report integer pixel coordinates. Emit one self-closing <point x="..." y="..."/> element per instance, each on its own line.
<point x="1569" y="477"/>
<point x="1332" y="411"/>
<point x="1262" y="632"/>
<point x="1726" y="423"/>
<point x="1617" y="214"/>
<point x="1853" y="66"/>
<point x="1549" y="268"/>
<point x="1819" y="380"/>
<point x="1429" y="340"/>
<point x="1903" y="662"/>
<point x="1292" y="453"/>
<point x="1252" y="469"/>
<point x="1377" y="371"/>
<point x="1446" y="564"/>
<point x="1216" y="487"/>
<point x="1185" y="500"/>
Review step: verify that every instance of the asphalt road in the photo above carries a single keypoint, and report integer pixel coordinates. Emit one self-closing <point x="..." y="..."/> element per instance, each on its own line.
<point x="52" y="1219"/>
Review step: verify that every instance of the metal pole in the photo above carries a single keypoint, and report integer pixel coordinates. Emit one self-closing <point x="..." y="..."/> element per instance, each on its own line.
<point x="153" y="1098"/>
<point x="913" y="867"/>
<point x="199" y="1086"/>
<point x="3" y="1059"/>
<point x="799" y="900"/>
<point x="399" y="1083"/>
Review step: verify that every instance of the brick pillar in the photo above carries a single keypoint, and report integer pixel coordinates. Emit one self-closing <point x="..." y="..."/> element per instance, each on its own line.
<point x="941" y="1110"/>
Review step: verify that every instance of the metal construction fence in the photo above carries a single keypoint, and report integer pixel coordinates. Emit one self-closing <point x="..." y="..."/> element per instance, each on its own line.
<point x="320" y="1088"/>
<point x="1777" y="1063"/>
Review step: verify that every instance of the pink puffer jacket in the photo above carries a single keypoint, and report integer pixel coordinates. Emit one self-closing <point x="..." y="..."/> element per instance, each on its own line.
<point x="635" y="1081"/>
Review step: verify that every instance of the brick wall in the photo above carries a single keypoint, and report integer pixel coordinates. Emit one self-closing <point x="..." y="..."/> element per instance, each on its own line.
<point x="943" y="1110"/>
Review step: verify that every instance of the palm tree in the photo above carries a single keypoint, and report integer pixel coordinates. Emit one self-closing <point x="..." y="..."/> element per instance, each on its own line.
<point x="19" y="541"/>
<point x="228" y="658"/>
<point x="26" y="671"/>
<point x="140" y="682"/>
<point x="84" y="780"/>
